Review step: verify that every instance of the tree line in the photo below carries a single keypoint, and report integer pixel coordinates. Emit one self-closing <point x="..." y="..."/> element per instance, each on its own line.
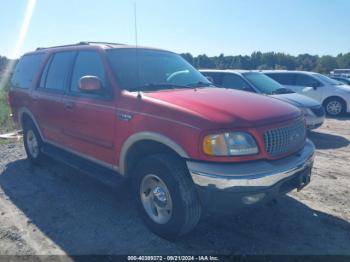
<point x="271" y="60"/>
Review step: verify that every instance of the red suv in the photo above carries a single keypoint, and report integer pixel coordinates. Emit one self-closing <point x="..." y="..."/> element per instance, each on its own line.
<point x="148" y="116"/>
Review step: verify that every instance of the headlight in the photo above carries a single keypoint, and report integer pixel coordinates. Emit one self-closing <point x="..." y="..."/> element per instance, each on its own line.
<point x="230" y="144"/>
<point x="307" y="111"/>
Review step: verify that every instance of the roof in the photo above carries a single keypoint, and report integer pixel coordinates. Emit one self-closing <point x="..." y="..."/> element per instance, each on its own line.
<point x="89" y="44"/>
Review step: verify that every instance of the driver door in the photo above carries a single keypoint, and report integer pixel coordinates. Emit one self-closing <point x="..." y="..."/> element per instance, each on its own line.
<point x="90" y="117"/>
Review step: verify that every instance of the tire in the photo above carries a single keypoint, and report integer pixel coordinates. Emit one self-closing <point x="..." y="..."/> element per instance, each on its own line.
<point x="32" y="143"/>
<point x="165" y="196"/>
<point x="334" y="106"/>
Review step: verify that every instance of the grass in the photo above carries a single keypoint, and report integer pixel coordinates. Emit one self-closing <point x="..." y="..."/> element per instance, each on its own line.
<point x="6" y="123"/>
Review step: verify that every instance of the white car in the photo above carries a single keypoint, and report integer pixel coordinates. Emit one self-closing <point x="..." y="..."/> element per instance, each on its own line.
<point x="334" y="95"/>
<point x="257" y="82"/>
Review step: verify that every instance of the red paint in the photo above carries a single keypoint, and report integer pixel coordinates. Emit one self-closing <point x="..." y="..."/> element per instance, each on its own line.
<point x="92" y="127"/>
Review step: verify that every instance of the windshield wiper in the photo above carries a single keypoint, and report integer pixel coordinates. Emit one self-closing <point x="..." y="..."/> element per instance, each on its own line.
<point x="200" y="84"/>
<point x="157" y="86"/>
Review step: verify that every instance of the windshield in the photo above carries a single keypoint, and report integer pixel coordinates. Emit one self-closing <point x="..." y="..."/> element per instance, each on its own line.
<point x="265" y="84"/>
<point x="146" y="69"/>
<point x="328" y="80"/>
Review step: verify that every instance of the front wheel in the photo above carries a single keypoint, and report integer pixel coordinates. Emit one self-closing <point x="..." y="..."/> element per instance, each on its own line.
<point x="334" y="106"/>
<point x="165" y="196"/>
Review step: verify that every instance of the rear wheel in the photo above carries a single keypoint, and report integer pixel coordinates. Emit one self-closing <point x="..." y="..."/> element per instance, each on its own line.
<point x="334" y="106"/>
<point x="165" y="196"/>
<point x="32" y="143"/>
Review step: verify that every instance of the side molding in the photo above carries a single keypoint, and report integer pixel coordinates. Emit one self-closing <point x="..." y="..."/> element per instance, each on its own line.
<point x="147" y="136"/>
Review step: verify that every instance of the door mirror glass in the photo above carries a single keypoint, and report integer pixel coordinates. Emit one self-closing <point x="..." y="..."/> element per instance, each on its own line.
<point x="90" y="84"/>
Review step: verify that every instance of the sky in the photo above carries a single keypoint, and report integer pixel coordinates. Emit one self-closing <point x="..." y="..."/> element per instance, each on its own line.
<point x="231" y="27"/>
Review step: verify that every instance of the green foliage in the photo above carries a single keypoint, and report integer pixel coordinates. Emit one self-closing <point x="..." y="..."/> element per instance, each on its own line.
<point x="271" y="60"/>
<point x="5" y="119"/>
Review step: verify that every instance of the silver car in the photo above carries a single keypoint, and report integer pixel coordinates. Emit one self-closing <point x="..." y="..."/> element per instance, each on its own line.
<point x="259" y="83"/>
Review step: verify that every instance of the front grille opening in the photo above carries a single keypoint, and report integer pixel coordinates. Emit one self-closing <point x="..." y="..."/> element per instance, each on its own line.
<point x="285" y="139"/>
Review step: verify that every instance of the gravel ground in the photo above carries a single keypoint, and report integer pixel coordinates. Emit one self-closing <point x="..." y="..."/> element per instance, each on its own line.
<point x="55" y="209"/>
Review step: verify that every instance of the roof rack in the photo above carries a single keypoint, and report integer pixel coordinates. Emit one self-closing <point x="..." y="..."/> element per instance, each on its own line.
<point x="80" y="43"/>
<point x="94" y="42"/>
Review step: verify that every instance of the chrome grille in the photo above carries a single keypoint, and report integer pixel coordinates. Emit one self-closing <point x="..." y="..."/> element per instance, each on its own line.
<point x="284" y="139"/>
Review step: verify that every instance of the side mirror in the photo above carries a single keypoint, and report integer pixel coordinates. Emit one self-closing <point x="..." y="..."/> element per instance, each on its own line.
<point x="90" y="84"/>
<point x="211" y="80"/>
<point x="315" y="85"/>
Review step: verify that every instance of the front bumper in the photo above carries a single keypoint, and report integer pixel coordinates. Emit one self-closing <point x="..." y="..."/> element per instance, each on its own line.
<point x="314" y="122"/>
<point x="225" y="186"/>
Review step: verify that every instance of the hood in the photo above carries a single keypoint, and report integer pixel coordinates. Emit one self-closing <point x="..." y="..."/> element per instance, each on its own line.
<point x="297" y="100"/>
<point x="226" y="107"/>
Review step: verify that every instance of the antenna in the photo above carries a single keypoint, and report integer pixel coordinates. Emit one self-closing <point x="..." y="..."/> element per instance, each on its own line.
<point x="136" y="52"/>
<point x="135" y="23"/>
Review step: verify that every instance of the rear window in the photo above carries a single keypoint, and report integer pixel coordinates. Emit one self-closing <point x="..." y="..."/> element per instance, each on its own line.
<point x="26" y="70"/>
<point x="284" y="79"/>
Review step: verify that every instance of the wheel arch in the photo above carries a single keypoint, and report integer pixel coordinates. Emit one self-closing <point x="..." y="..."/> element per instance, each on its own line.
<point x="24" y="114"/>
<point x="335" y="97"/>
<point x="144" y="143"/>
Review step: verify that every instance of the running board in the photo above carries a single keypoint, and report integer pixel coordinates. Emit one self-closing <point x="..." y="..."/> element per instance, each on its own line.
<point x="105" y="175"/>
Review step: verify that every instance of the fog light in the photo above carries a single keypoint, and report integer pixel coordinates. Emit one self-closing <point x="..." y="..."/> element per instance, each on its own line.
<point x="248" y="200"/>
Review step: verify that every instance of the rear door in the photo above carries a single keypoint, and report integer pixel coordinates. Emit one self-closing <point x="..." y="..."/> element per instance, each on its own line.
<point x="48" y="107"/>
<point x="90" y="118"/>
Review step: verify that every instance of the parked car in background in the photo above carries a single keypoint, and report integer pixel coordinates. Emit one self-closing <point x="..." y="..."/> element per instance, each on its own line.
<point x="150" y="117"/>
<point x="341" y="79"/>
<point x="257" y="82"/>
<point x="335" y="97"/>
<point x="341" y="73"/>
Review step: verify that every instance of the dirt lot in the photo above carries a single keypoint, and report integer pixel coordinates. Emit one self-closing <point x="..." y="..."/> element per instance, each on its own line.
<point x="57" y="210"/>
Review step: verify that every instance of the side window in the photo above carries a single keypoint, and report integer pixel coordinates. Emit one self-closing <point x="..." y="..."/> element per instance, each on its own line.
<point x="235" y="82"/>
<point x="283" y="79"/>
<point x="88" y="63"/>
<point x="306" y="80"/>
<point x="57" y="70"/>
<point x="26" y="70"/>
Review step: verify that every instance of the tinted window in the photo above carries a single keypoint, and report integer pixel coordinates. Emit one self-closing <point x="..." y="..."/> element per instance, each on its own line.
<point x="58" y="71"/>
<point x="284" y="79"/>
<point x="88" y="63"/>
<point x="306" y="80"/>
<point x="235" y="81"/>
<point x="217" y="77"/>
<point x="26" y="70"/>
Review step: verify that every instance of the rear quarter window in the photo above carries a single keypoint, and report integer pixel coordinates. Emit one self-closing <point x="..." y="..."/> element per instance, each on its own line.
<point x="26" y="70"/>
